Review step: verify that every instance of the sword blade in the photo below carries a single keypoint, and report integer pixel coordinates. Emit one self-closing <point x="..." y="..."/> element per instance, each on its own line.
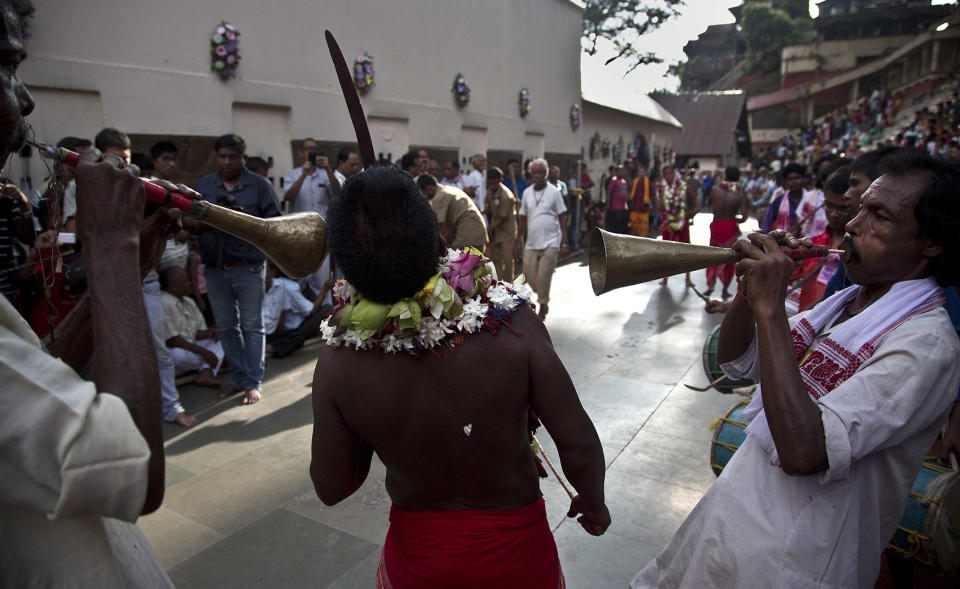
<point x="353" y="102"/>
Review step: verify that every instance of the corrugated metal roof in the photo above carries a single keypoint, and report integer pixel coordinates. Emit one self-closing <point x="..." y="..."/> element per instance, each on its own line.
<point x="709" y="120"/>
<point x="632" y="102"/>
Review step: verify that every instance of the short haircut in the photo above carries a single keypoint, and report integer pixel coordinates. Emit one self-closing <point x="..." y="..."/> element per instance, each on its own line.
<point x="142" y="161"/>
<point x="869" y="163"/>
<point x="938" y="208"/>
<point x="111" y="137"/>
<point x="839" y="181"/>
<point x="454" y="163"/>
<point x="258" y="163"/>
<point x="425" y="180"/>
<point x="230" y="141"/>
<point x="74" y="143"/>
<point x="794" y="168"/>
<point x="409" y="160"/>
<point x="305" y="139"/>
<point x="494" y="173"/>
<point x="732" y="173"/>
<point x="344" y="154"/>
<point x="383" y="235"/>
<point x="161" y="147"/>
<point x="539" y="162"/>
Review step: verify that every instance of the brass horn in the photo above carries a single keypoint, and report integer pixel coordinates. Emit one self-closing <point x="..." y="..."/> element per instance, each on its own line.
<point x="621" y="260"/>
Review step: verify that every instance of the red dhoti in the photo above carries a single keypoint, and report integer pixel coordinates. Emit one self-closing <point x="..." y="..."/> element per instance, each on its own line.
<point x="470" y="548"/>
<point x="723" y="233"/>
<point x="683" y="235"/>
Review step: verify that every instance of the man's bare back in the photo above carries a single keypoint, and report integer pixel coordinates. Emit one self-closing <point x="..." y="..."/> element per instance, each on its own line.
<point x="452" y="432"/>
<point x="727" y="204"/>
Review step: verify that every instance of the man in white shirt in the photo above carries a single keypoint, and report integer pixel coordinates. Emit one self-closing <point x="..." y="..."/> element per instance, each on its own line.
<point x="852" y="395"/>
<point x="543" y="217"/>
<point x="308" y="187"/>
<point x="475" y="183"/>
<point x="289" y="319"/>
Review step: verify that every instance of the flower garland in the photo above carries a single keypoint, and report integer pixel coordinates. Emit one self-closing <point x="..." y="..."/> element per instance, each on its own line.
<point x="524" y="103"/>
<point x="363" y="74"/>
<point x="224" y="57"/>
<point x="618" y="150"/>
<point x="674" y="201"/>
<point x="461" y="90"/>
<point x="595" y="146"/>
<point x="605" y="148"/>
<point x="462" y="298"/>
<point x="633" y="150"/>
<point x="575" y="117"/>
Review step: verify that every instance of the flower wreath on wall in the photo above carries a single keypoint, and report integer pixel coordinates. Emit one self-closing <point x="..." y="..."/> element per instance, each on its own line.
<point x="524" y="103"/>
<point x="632" y="150"/>
<point x="618" y="150"/>
<point x="363" y="74"/>
<point x="575" y="117"/>
<point x="224" y="56"/>
<point x="605" y="148"/>
<point x="595" y="146"/>
<point x="461" y="90"/>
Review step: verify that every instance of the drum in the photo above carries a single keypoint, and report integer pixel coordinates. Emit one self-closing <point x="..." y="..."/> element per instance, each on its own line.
<point x="929" y="531"/>
<point x="729" y="432"/>
<point x="712" y="367"/>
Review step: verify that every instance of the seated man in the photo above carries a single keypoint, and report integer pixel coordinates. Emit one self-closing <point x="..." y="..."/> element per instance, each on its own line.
<point x="289" y="319"/>
<point x="452" y="431"/>
<point x="193" y="347"/>
<point x="852" y="394"/>
<point x="461" y="222"/>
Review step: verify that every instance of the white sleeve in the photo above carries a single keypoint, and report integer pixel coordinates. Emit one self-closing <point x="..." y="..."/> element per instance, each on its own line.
<point x="64" y="449"/>
<point x="906" y="386"/>
<point x="558" y="205"/>
<point x="524" y="205"/>
<point x="69" y="208"/>
<point x="288" y="179"/>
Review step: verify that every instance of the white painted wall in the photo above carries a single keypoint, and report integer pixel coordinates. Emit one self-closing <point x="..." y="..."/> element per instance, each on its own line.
<point x="149" y="64"/>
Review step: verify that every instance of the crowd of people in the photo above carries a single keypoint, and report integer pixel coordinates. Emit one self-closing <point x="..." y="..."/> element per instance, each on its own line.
<point x="853" y="387"/>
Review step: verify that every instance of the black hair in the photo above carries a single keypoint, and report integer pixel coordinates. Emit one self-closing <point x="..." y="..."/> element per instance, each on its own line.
<point x="732" y="173"/>
<point x="161" y="147"/>
<point x="142" y="161"/>
<point x="74" y="143"/>
<point x="305" y="139"/>
<point x="869" y="163"/>
<point x="424" y="180"/>
<point x="794" y="168"/>
<point x="494" y="173"/>
<point x="230" y="141"/>
<point x="408" y="160"/>
<point x="383" y="235"/>
<point x="839" y="181"/>
<point x="344" y="154"/>
<point x="111" y="137"/>
<point x="455" y="164"/>
<point x="937" y="209"/>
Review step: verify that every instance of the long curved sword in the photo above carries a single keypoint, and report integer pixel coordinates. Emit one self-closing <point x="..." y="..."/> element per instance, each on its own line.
<point x="353" y="102"/>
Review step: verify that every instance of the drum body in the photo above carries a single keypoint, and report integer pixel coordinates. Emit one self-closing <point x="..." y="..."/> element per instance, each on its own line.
<point x="712" y="367"/>
<point x="929" y="531"/>
<point x="728" y="434"/>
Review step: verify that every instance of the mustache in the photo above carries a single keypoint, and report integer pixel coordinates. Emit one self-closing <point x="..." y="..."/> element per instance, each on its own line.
<point x="849" y="244"/>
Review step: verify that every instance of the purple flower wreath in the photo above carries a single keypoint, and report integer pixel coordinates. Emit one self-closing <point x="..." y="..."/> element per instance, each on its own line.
<point x="363" y="74"/>
<point x="461" y="90"/>
<point x="575" y="117"/>
<point x="224" y="57"/>
<point x="524" y="103"/>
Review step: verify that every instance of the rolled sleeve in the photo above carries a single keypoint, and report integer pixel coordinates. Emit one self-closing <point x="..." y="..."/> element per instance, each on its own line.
<point x="746" y="366"/>
<point x="837" y="443"/>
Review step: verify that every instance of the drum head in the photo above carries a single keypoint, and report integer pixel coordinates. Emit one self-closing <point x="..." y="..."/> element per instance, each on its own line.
<point x="943" y="525"/>
<point x="712" y="367"/>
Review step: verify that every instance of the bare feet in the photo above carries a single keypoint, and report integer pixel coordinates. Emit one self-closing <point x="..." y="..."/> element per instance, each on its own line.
<point x="663" y="282"/>
<point x="708" y="292"/>
<point x="184" y="420"/>
<point x="726" y="294"/>
<point x="252" y="396"/>
<point x="689" y="282"/>
<point x="269" y="350"/>
<point x="207" y="379"/>
<point x="227" y="390"/>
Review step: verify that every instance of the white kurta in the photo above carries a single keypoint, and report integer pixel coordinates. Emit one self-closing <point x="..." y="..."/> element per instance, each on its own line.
<point x="70" y="460"/>
<point x="759" y="527"/>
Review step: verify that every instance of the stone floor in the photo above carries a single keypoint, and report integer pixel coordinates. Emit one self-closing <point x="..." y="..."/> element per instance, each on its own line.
<point x="240" y="510"/>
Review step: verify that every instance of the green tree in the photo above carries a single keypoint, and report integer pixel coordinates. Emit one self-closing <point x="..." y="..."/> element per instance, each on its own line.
<point x="623" y="22"/>
<point x="766" y="31"/>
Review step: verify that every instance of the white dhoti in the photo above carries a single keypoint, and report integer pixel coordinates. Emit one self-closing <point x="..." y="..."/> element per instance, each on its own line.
<point x="185" y="361"/>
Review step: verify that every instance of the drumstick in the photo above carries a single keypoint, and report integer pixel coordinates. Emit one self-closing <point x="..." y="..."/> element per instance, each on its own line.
<point x="705" y="298"/>
<point x="708" y="387"/>
<point x="552" y="467"/>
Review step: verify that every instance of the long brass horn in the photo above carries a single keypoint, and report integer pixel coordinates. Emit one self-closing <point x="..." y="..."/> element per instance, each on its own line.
<point x="621" y="260"/>
<point x="296" y="243"/>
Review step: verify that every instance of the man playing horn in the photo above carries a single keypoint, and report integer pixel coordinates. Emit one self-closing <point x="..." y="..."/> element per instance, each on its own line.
<point x="852" y="394"/>
<point x="419" y="370"/>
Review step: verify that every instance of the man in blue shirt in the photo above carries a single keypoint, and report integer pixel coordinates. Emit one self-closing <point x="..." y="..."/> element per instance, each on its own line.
<point x="234" y="268"/>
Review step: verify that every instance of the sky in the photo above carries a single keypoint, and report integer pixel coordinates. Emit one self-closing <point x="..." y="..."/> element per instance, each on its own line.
<point x="667" y="42"/>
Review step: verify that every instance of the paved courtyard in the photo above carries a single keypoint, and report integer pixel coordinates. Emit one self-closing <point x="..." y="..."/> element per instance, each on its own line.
<point x="240" y="510"/>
